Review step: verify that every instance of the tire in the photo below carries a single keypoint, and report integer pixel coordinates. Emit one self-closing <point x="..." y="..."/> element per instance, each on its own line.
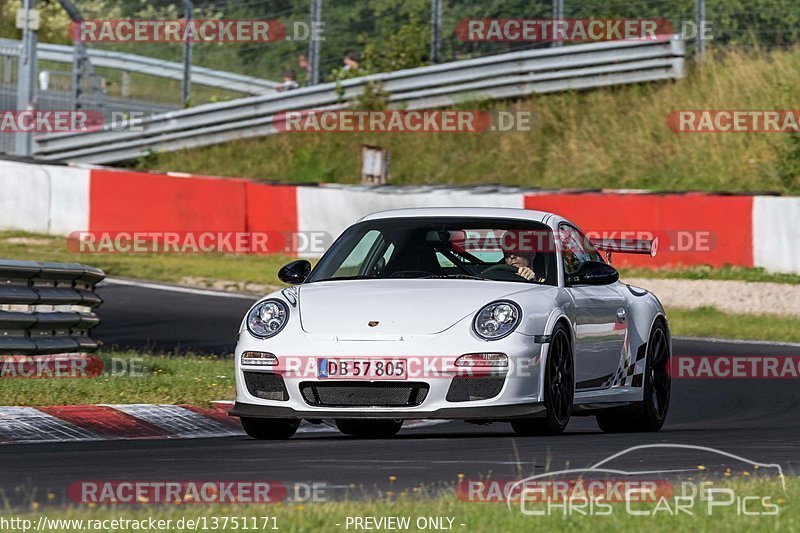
<point x="559" y="389"/>
<point x="656" y="386"/>
<point x="367" y="428"/>
<point x="270" y="428"/>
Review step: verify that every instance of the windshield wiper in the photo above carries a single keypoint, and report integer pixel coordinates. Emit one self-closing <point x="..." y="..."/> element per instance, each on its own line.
<point x="345" y="278"/>
<point x="455" y="276"/>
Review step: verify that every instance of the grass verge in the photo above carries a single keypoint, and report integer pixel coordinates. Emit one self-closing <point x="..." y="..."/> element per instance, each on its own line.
<point x="727" y="272"/>
<point x="130" y="377"/>
<point x="713" y="323"/>
<point x="466" y="516"/>
<point x="615" y="137"/>
<point x="263" y="269"/>
<point x="176" y="268"/>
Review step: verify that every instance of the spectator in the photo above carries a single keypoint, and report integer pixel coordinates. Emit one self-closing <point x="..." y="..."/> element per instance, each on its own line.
<point x="289" y="81"/>
<point x="350" y="61"/>
<point x="303" y="63"/>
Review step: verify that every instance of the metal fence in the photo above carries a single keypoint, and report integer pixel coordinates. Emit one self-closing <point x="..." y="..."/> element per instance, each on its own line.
<point x="428" y="25"/>
<point x="47" y="308"/>
<point x="9" y="56"/>
<point x="127" y="64"/>
<point x="495" y="77"/>
<point x="54" y="89"/>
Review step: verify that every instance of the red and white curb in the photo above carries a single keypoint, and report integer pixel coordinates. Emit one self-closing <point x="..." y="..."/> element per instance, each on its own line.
<point x="70" y="423"/>
<point x="113" y="422"/>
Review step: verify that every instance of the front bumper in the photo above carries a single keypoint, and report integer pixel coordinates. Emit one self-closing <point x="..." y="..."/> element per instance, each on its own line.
<point x="485" y="412"/>
<point x="519" y="397"/>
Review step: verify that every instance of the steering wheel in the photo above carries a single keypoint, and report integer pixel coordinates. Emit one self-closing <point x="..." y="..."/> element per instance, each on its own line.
<point x="502" y="272"/>
<point x="500" y="267"/>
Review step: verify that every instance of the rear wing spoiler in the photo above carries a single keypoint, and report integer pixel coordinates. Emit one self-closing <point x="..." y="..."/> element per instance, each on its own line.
<point x="627" y="246"/>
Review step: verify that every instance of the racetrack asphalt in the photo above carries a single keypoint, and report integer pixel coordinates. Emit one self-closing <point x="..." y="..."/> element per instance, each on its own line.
<point x="755" y="419"/>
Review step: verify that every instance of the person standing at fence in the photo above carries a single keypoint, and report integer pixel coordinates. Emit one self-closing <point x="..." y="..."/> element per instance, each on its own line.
<point x="289" y="81"/>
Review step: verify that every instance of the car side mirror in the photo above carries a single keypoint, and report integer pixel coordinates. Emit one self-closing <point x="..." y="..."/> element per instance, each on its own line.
<point x="593" y="273"/>
<point x="295" y="273"/>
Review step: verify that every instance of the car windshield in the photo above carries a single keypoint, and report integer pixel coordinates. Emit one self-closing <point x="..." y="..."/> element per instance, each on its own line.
<point x="478" y="249"/>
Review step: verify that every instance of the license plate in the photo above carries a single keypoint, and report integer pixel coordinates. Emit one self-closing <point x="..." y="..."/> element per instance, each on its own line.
<point x="370" y="369"/>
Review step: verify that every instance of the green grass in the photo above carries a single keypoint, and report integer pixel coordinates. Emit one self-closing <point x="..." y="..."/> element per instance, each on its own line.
<point x="130" y="377"/>
<point x="262" y="269"/>
<point x="611" y="138"/>
<point x="246" y="268"/>
<point x="708" y="272"/>
<point x="710" y="322"/>
<point x="476" y="517"/>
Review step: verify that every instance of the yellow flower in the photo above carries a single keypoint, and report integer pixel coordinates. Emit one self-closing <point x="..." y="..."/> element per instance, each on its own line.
<point x="460" y="476"/>
<point x="392" y="478"/>
<point x="701" y="467"/>
<point x="300" y="507"/>
<point x="51" y="496"/>
<point x="34" y="505"/>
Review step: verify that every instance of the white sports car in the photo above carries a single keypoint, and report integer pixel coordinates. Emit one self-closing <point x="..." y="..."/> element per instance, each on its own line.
<point x="477" y="314"/>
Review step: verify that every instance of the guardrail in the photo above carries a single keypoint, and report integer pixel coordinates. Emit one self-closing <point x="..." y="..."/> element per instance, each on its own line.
<point x="493" y="77"/>
<point x="47" y="308"/>
<point x="150" y="66"/>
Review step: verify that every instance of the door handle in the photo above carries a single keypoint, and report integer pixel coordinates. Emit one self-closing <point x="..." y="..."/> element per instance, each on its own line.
<point x="621" y="315"/>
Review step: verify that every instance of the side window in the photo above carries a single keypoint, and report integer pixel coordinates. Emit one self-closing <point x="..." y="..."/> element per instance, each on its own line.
<point x="354" y="262"/>
<point x="576" y="249"/>
<point x="388" y="253"/>
<point x="444" y="261"/>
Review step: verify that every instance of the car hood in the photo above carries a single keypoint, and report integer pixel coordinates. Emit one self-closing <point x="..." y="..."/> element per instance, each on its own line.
<point x="345" y="309"/>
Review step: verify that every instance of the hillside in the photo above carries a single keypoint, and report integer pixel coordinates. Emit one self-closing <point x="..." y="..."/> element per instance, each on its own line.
<point x="611" y="138"/>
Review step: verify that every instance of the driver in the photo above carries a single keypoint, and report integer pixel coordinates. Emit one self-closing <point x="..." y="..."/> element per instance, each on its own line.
<point x="522" y="262"/>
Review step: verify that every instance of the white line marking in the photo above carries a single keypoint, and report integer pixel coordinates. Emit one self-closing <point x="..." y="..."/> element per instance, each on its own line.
<point x="175" y="288"/>
<point x="737" y="341"/>
<point x="176" y="421"/>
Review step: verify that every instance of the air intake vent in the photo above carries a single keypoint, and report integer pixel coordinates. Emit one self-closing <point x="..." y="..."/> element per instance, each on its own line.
<point x="471" y="388"/>
<point x="266" y="386"/>
<point x="359" y="394"/>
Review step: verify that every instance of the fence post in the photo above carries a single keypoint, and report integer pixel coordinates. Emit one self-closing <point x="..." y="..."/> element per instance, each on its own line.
<point x="186" y="88"/>
<point x="700" y="22"/>
<point x="436" y="30"/>
<point x="125" y="90"/>
<point x="313" y="44"/>
<point x="8" y="65"/>
<point x="558" y="14"/>
<point x="26" y="76"/>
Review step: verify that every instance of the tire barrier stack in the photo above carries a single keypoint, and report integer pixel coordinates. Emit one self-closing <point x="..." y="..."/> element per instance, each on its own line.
<point x="47" y="308"/>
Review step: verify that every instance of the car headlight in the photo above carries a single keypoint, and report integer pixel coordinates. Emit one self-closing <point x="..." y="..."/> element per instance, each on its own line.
<point x="497" y="320"/>
<point x="266" y="319"/>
